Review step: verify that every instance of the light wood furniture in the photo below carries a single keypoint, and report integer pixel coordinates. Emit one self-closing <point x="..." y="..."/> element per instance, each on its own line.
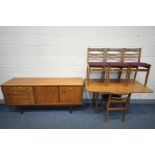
<point x="112" y="102"/>
<point x="43" y="91"/>
<point x="96" y="55"/>
<point x="116" y="60"/>
<point x="115" y="86"/>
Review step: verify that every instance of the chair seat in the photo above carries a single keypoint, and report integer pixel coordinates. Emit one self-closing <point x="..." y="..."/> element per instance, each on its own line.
<point x="139" y="64"/>
<point x="98" y="64"/>
<point x="118" y="64"/>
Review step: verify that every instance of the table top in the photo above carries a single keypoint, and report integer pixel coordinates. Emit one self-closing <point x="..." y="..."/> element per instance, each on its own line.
<point x="44" y="82"/>
<point x="116" y="86"/>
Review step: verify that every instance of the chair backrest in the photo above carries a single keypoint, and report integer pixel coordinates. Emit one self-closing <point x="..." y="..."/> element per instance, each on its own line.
<point x="96" y="55"/>
<point x="131" y="54"/>
<point x="114" y="55"/>
<point x="119" y="98"/>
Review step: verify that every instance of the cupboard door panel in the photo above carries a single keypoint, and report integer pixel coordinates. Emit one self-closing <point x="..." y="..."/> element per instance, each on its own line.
<point x="46" y="95"/>
<point x="18" y="95"/>
<point x="70" y="95"/>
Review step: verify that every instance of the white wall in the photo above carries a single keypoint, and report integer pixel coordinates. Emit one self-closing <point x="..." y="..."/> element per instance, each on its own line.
<point x="62" y="51"/>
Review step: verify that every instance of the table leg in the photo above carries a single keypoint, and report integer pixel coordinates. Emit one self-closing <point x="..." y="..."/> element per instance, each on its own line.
<point x="96" y="102"/>
<point x="93" y="99"/>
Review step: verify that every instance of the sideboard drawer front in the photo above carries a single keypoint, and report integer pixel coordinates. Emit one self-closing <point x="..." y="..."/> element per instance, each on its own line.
<point x="18" y="95"/>
<point x="19" y="100"/>
<point x="19" y="89"/>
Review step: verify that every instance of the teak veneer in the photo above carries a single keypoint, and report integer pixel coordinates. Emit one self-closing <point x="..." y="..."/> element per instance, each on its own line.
<point x="43" y="91"/>
<point x="116" y="86"/>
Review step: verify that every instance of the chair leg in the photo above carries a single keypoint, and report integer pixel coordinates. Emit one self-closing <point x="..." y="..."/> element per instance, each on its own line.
<point x="146" y="78"/>
<point x="127" y="72"/>
<point x="135" y="74"/>
<point x="106" y="75"/>
<point x="128" y="75"/>
<point x="123" y="116"/>
<point x="103" y="75"/>
<point x="120" y="73"/>
<point x="88" y="74"/>
<point x="107" y="72"/>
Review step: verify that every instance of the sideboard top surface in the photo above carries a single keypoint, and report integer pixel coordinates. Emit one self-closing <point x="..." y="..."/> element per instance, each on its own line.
<point x="44" y="82"/>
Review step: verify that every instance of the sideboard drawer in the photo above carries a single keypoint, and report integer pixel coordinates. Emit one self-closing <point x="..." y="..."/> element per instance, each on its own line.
<point x="18" y="88"/>
<point x="18" y="95"/>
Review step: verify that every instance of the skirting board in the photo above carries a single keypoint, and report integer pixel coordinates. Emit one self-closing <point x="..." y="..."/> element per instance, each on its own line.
<point x="133" y="101"/>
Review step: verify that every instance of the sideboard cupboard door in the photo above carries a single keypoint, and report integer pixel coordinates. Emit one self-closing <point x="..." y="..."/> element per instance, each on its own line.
<point x="71" y="95"/>
<point x="46" y="95"/>
<point x="18" y="95"/>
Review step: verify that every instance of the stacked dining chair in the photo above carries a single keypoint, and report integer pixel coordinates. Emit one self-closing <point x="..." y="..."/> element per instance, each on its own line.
<point x="116" y="60"/>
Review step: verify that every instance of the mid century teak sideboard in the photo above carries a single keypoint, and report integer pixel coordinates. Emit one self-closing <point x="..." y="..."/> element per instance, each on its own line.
<point x="43" y="91"/>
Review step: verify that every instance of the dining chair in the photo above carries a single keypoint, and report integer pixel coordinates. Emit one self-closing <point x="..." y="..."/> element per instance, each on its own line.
<point x="96" y="61"/>
<point x="121" y="63"/>
<point x="117" y="102"/>
<point x="132" y="57"/>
